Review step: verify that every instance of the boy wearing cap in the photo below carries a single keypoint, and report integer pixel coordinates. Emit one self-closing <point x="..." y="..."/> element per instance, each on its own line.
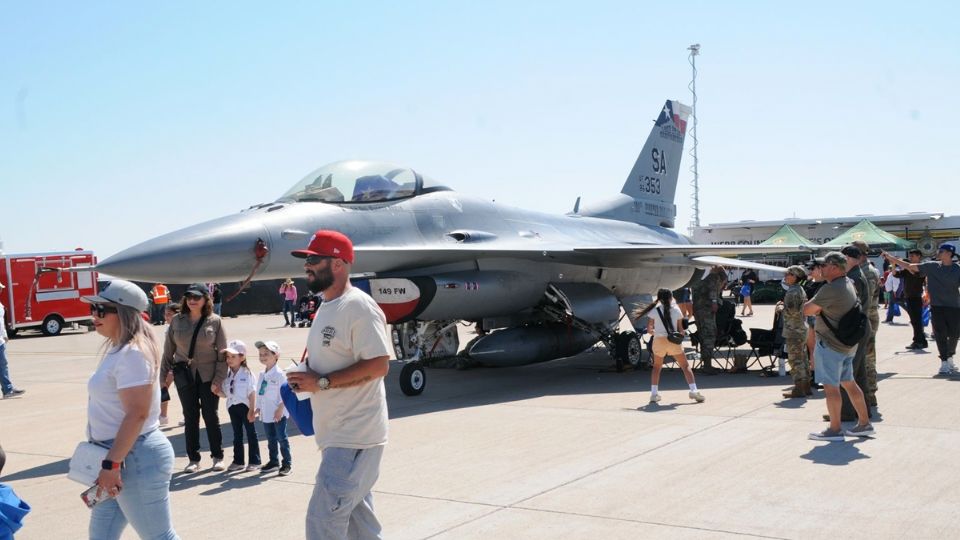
<point x="348" y="354"/>
<point x="271" y="410"/>
<point x="795" y="332"/>
<point x="834" y="358"/>
<point x="943" y="284"/>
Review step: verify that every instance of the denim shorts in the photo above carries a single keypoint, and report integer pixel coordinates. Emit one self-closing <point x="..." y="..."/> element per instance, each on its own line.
<point x="833" y="367"/>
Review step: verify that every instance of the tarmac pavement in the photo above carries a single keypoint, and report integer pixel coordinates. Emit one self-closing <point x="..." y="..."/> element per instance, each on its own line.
<point x="564" y="449"/>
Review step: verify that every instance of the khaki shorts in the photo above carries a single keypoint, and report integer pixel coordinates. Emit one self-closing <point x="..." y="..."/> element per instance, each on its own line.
<point x="663" y="347"/>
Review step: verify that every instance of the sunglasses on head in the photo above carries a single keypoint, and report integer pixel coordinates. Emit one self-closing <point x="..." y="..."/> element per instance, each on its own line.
<point x="101" y="310"/>
<point x="317" y="259"/>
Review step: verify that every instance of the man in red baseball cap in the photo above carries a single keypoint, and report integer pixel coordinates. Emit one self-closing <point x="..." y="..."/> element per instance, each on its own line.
<point x="348" y="354"/>
<point x="325" y="246"/>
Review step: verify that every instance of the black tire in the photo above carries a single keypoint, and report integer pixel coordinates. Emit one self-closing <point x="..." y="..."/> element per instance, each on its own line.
<point x="52" y="325"/>
<point x="629" y="349"/>
<point x="413" y="379"/>
<point x="12" y="332"/>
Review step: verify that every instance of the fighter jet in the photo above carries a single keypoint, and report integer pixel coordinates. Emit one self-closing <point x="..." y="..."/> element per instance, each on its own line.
<point x="537" y="286"/>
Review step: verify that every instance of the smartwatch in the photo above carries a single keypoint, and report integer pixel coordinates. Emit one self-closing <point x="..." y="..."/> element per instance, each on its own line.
<point x="108" y="465"/>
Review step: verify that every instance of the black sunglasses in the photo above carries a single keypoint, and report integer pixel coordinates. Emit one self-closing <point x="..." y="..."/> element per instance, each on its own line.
<point x="101" y="310"/>
<point x="317" y="259"/>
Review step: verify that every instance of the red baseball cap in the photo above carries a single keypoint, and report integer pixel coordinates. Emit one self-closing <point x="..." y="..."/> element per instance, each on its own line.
<point x="327" y="244"/>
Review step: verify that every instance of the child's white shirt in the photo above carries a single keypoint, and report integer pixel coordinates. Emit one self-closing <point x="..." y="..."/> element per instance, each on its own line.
<point x="268" y="393"/>
<point x="239" y="386"/>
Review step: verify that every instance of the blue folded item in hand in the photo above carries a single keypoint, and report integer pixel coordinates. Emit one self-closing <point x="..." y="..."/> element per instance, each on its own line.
<point x="299" y="410"/>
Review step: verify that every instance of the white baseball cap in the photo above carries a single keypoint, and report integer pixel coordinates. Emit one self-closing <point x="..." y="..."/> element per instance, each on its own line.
<point x="236" y="347"/>
<point x="271" y="346"/>
<point x="122" y="292"/>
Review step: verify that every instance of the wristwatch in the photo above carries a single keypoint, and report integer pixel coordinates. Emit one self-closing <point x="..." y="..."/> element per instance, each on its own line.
<point x="108" y="465"/>
<point x="323" y="383"/>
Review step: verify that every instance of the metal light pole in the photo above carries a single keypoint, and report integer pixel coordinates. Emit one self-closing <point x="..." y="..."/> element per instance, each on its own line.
<point x="695" y="222"/>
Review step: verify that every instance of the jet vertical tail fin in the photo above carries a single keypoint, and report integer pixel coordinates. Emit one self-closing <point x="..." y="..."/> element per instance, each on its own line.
<point x="648" y="194"/>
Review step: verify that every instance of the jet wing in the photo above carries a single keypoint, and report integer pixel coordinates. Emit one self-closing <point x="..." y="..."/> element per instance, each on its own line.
<point x="391" y="258"/>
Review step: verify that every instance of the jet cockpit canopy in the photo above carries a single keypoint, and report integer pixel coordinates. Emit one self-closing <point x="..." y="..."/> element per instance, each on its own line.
<point x="356" y="181"/>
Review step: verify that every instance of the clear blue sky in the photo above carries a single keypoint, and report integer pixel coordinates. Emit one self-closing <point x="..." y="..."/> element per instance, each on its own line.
<point x="122" y="121"/>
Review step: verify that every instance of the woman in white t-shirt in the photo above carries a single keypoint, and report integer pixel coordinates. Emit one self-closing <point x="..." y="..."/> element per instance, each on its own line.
<point x="660" y="312"/>
<point x="123" y="415"/>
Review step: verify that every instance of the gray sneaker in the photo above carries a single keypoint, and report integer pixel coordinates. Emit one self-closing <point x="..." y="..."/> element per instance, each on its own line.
<point x="826" y="435"/>
<point x="860" y="431"/>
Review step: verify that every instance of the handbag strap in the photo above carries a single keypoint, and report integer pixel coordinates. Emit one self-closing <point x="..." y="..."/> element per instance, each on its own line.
<point x="193" y="340"/>
<point x="666" y="322"/>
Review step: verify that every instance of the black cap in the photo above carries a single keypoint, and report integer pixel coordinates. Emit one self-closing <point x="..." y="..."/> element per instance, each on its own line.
<point x="815" y="263"/>
<point x="197" y="289"/>
<point x="852" y="251"/>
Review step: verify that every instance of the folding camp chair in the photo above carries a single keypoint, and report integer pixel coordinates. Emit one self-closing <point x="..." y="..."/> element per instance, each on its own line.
<point x="767" y="343"/>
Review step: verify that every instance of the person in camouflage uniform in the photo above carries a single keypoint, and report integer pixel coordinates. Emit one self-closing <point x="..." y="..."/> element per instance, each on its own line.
<point x="795" y="332"/>
<point x="872" y="276"/>
<point x="706" y="302"/>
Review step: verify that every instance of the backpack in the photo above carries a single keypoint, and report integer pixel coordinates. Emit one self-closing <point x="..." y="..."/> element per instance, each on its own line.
<point x="852" y="326"/>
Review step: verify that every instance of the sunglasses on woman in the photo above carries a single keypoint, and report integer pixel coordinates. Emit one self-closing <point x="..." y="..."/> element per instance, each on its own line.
<point x="101" y="310"/>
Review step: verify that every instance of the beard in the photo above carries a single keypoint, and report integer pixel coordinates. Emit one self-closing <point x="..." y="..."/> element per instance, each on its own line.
<point x="319" y="281"/>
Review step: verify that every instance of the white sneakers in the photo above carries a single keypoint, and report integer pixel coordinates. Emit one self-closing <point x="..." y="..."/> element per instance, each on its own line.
<point x="948" y="367"/>
<point x="697" y="396"/>
<point x="192" y="467"/>
<point x="654" y="398"/>
<point x="218" y="465"/>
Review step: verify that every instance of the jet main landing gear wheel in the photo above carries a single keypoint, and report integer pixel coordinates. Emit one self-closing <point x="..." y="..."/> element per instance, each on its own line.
<point x="413" y="379"/>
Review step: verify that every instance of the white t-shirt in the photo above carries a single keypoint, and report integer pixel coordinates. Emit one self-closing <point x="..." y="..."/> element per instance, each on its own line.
<point x="122" y="367"/>
<point x="346" y="330"/>
<point x="675" y="315"/>
<point x="239" y="386"/>
<point x="268" y="393"/>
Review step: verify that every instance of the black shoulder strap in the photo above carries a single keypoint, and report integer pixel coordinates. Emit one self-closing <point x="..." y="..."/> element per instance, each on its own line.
<point x="665" y="321"/>
<point x="830" y="327"/>
<point x="193" y="340"/>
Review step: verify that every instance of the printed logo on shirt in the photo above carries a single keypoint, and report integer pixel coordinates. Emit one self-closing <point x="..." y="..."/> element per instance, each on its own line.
<point x="263" y="387"/>
<point x="328" y="334"/>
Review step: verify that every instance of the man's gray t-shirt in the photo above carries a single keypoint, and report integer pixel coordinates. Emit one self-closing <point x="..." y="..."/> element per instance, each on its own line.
<point x="835" y="300"/>
<point x="943" y="282"/>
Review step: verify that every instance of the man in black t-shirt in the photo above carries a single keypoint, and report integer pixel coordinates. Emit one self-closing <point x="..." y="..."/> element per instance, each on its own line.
<point x="913" y="296"/>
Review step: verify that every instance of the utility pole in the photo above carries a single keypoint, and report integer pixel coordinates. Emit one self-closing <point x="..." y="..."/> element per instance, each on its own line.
<point x="695" y="222"/>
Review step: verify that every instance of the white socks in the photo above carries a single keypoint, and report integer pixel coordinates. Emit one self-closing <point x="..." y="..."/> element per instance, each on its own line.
<point x="653" y="389"/>
<point x="693" y="387"/>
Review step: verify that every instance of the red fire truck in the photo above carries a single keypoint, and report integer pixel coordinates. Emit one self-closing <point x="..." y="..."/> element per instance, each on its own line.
<point x="42" y="293"/>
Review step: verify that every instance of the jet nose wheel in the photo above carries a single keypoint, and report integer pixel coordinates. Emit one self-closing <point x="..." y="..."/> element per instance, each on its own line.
<point x="413" y="379"/>
<point x="629" y="349"/>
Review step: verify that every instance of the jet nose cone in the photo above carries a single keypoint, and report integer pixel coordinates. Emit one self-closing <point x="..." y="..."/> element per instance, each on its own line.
<point x="220" y="250"/>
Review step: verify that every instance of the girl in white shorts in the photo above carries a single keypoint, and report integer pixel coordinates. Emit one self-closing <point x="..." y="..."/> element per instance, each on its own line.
<point x="664" y="310"/>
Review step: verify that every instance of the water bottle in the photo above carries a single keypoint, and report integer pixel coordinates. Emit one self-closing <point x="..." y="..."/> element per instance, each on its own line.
<point x="782" y="366"/>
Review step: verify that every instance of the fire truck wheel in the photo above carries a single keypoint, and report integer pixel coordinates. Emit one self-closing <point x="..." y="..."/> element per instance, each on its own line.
<point x="52" y="325"/>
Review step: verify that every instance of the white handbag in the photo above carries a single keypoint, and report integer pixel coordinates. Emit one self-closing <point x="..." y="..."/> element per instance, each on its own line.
<point x="86" y="462"/>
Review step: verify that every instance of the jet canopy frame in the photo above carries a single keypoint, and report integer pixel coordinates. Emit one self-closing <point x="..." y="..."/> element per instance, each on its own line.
<point x="360" y="182"/>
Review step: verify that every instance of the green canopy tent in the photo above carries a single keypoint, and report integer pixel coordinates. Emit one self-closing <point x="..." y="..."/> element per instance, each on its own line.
<point x="788" y="236"/>
<point x="872" y="235"/>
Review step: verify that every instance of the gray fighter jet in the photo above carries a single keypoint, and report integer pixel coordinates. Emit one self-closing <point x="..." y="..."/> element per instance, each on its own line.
<point x="538" y="286"/>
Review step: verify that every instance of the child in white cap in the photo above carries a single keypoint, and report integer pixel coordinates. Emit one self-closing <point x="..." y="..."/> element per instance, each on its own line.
<point x="270" y="407"/>
<point x="240" y="388"/>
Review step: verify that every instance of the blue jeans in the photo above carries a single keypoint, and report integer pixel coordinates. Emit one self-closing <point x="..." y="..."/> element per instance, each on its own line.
<point x="239" y="422"/>
<point x="342" y="503"/>
<point x="288" y="308"/>
<point x="277" y="434"/>
<point x="144" y="500"/>
<point x="6" y="385"/>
